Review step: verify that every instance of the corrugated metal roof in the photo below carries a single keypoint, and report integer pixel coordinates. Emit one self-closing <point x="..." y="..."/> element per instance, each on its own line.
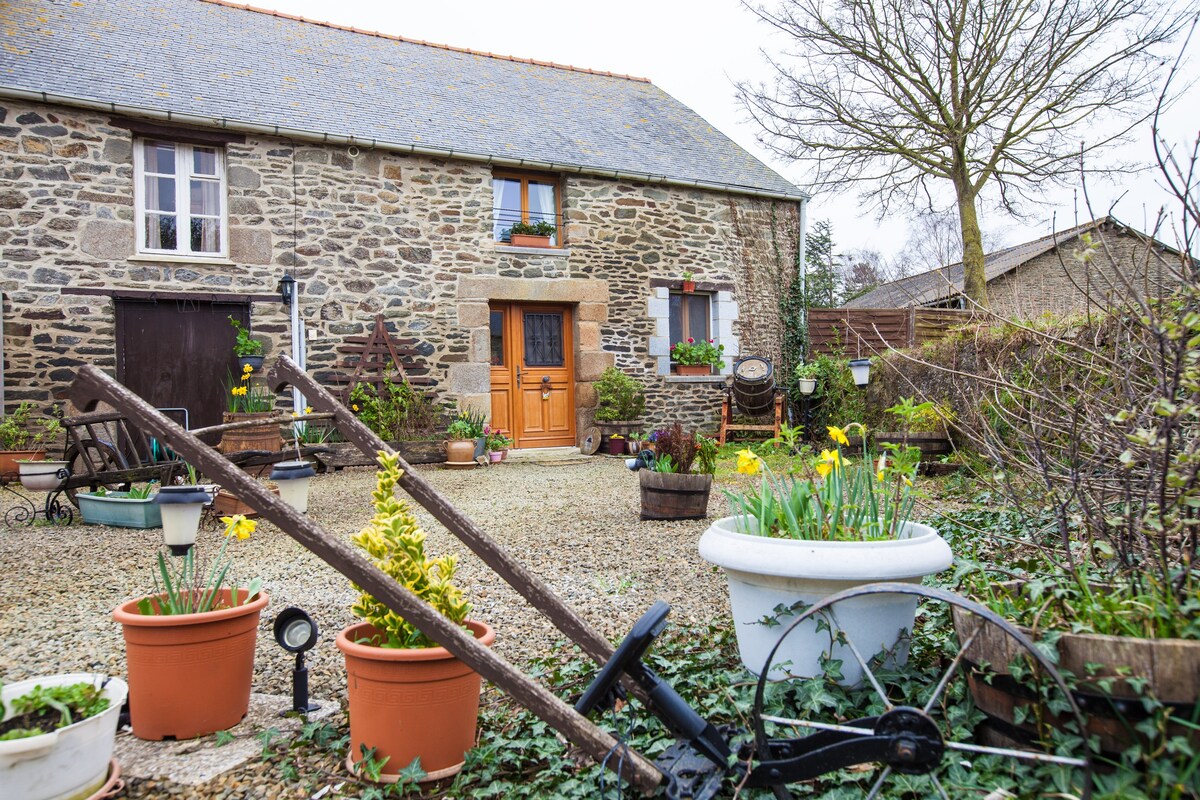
<point x="221" y="62"/>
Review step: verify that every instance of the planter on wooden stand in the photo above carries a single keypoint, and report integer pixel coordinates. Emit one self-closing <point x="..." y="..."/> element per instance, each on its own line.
<point x="669" y="495"/>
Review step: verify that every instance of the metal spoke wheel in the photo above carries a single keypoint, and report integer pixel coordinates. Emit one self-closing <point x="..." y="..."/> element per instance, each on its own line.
<point x="965" y="705"/>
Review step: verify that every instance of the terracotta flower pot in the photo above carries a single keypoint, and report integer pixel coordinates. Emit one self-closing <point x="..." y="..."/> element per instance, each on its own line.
<point x="189" y="674"/>
<point x="693" y="369"/>
<point x="411" y="703"/>
<point x="10" y="469"/>
<point x="460" y="451"/>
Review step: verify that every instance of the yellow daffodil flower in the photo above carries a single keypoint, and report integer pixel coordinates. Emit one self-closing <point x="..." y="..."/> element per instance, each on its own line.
<point x="247" y="368"/>
<point x="824" y="468"/>
<point x="748" y="463"/>
<point x="308" y="409"/>
<point x="238" y="526"/>
<point x="838" y="435"/>
<point x="354" y="407"/>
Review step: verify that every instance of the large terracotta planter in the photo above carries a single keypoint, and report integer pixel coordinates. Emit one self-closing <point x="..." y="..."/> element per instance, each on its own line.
<point x="766" y="574"/>
<point x="10" y="469"/>
<point x="256" y="437"/>
<point x="408" y="704"/>
<point x="189" y="674"/>
<point x="460" y="451"/>
<point x="693" y="369"/>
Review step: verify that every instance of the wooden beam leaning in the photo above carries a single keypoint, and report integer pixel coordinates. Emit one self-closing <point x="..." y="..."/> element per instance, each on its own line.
<point x="92" y="386"/>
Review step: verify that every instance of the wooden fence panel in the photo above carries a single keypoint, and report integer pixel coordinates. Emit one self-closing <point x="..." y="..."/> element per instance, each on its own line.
<point x="861" y="332"/>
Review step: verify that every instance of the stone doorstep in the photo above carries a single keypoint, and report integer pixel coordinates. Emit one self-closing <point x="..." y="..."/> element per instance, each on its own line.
<point x="196" y="761"/>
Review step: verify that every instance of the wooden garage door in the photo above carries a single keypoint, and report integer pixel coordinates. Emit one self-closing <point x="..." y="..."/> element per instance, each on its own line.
<point x="177" y="353"/>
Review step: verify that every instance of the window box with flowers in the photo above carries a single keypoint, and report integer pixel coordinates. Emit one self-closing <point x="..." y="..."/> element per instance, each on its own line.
<point x="697" y="358"/>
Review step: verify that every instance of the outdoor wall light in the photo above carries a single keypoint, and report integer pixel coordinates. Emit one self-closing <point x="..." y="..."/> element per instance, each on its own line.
<point x="860" y="368"/>
<point x="181" y="507"/>
<point x="296" y="632"/>
<point x="293" y="478"/>
<point x="287" y="289"/>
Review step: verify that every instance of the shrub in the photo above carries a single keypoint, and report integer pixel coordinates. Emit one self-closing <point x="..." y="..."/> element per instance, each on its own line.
<point x="619" y="396"/>
<point x="395" y="410"/>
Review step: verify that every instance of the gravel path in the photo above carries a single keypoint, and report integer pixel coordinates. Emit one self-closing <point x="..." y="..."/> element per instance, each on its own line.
<point x="575" y="526"/>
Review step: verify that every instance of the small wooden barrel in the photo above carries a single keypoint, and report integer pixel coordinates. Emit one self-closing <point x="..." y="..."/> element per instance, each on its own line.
<point x="260" y="437"/>
<point x="667" y="495"/>
<point x="754" y="386"/>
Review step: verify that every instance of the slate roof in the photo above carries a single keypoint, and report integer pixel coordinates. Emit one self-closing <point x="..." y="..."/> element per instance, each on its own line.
<point x="242" y="65"/>
<point x="927" y="288"/>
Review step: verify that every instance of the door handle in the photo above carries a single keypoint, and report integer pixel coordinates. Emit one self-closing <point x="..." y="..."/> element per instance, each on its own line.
<point x="518" y="377"/>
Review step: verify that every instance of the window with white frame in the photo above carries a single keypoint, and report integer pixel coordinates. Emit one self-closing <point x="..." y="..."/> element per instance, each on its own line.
<point x="179" y="196"/>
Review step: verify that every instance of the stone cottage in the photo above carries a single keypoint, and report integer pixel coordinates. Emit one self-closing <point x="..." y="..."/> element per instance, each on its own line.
<point x="166" y="166"/>
<point x="1044" y="276"/>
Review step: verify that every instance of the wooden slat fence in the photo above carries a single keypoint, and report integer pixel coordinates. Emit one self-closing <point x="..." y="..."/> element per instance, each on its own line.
<point x="861" y="332"/>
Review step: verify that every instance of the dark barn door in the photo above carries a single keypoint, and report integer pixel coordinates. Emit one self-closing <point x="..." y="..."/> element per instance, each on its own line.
<point x="177" y="354"/>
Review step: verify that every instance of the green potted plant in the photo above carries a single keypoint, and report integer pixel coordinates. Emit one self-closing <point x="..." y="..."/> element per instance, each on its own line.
<point x="389" y="661"/>
<point x="796" y="539"/>
<point x="689" y="282"/>
<point x="496" y="442"/>
<point x="465" y="439"/>
<point x="57" y="734"/>
<point x="620" y="402"/>
<point x="189" y="645"/>
<point x="806" y="378"/>
<point x="535" y="234"/>
<point x="697" y="358"/>
<point x="134" y="508"/>
<point x="634" y="442"/>
<point x="24" y="440"/>
<point x="670" y="489"/>
<point x="249" y="351"/>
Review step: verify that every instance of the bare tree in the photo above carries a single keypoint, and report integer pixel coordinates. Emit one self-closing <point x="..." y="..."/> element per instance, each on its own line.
<point x="935" y="240"/>
<point x="895" y="93"/>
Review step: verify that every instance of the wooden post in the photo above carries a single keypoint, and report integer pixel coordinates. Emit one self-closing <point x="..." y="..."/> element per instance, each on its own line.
<point x="92" y="386"/>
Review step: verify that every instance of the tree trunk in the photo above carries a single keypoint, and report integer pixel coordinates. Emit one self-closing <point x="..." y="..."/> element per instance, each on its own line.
<point x="974" y="279"/>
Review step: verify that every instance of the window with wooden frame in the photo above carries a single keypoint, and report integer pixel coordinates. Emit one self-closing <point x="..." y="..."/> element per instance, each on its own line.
<point x="180" y="199"/>
<point x="690" y="317"/>
<point x="526" y="197"/>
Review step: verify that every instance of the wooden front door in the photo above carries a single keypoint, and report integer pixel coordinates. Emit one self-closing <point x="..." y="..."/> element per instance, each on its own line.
<point x="177" y="354"/>
<point x="533" y="369"/>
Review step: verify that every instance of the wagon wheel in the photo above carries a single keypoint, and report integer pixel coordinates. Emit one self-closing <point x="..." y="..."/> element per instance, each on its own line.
<point x="970" y="707"/>
<point x="104" y="457"/>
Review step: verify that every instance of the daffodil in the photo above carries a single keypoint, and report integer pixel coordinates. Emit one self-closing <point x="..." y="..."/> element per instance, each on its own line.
<point x="823" y="468"/>
<point x="838" y="435"/>
<point x="748" y="463"/>
<point x="238" y="526"/>
<point x="354" y="406"/>
<point x="308" y="409"/>
<point x="247" y="368"/>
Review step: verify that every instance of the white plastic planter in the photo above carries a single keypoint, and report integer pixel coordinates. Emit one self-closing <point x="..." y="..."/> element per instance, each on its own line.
<point x="70" y="762"/>
<point x="293" y="478"/>
<point x="41" y="476"/>
<point x="766" y="573"/>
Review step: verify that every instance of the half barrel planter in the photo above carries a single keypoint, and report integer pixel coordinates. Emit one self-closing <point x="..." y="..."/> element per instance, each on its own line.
<point x="670" y="495"/>
<point x="767" y="573"/>
<point x="411" y="703"/>
<point x="189" y="674"/>
<point x="255" y="437"/>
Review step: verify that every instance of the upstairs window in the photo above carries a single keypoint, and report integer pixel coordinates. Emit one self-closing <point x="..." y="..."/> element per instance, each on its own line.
<point x="525" y="197"/>
<point x="179" y="196"/>
<point x="690" y="317"/>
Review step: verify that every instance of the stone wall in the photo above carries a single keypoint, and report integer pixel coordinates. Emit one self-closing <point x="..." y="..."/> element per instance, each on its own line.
<point x="368" y="232"/>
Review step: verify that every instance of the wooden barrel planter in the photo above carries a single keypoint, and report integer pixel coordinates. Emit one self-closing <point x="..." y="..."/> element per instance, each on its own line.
<point x="1167" y="665"/>
<point x="255" y="437"/>
<point x="754" y="386"/>
<point x="667" y="495"/>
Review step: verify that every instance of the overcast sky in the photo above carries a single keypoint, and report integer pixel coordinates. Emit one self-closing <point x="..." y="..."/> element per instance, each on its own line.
<point x="695" y="51"/>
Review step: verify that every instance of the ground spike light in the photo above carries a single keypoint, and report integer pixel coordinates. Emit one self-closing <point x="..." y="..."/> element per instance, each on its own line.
<point x="297" y="632"/>
<point x="181" y="507"/>
<point x="293" y="478"/>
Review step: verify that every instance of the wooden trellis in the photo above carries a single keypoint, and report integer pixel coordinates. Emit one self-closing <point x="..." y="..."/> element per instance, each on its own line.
<point x="376" y="356"/>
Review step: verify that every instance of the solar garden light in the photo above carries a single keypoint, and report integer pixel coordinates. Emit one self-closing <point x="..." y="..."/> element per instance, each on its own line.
<point x="296" y="632"/>
<point x="860" y="368"/>
<point x="293" y="478"/>
<point x="181" y="507"/>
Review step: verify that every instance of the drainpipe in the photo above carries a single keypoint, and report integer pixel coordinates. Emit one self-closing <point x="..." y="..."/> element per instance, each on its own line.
<point x="802" y="265"/>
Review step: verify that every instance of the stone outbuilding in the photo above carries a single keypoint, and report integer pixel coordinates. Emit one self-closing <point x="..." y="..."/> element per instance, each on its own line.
<point x="1046" y="275"/>
<point x="168" y="166"/>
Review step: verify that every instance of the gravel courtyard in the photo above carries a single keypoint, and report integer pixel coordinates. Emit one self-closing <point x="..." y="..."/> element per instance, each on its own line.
<point x="574" y="525"/>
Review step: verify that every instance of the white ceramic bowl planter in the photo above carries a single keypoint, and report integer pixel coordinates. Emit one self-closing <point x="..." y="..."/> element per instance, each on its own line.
<point x="42" y="476"/>
<point x="765" y="573"/>
<point x="66" y="763"/>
